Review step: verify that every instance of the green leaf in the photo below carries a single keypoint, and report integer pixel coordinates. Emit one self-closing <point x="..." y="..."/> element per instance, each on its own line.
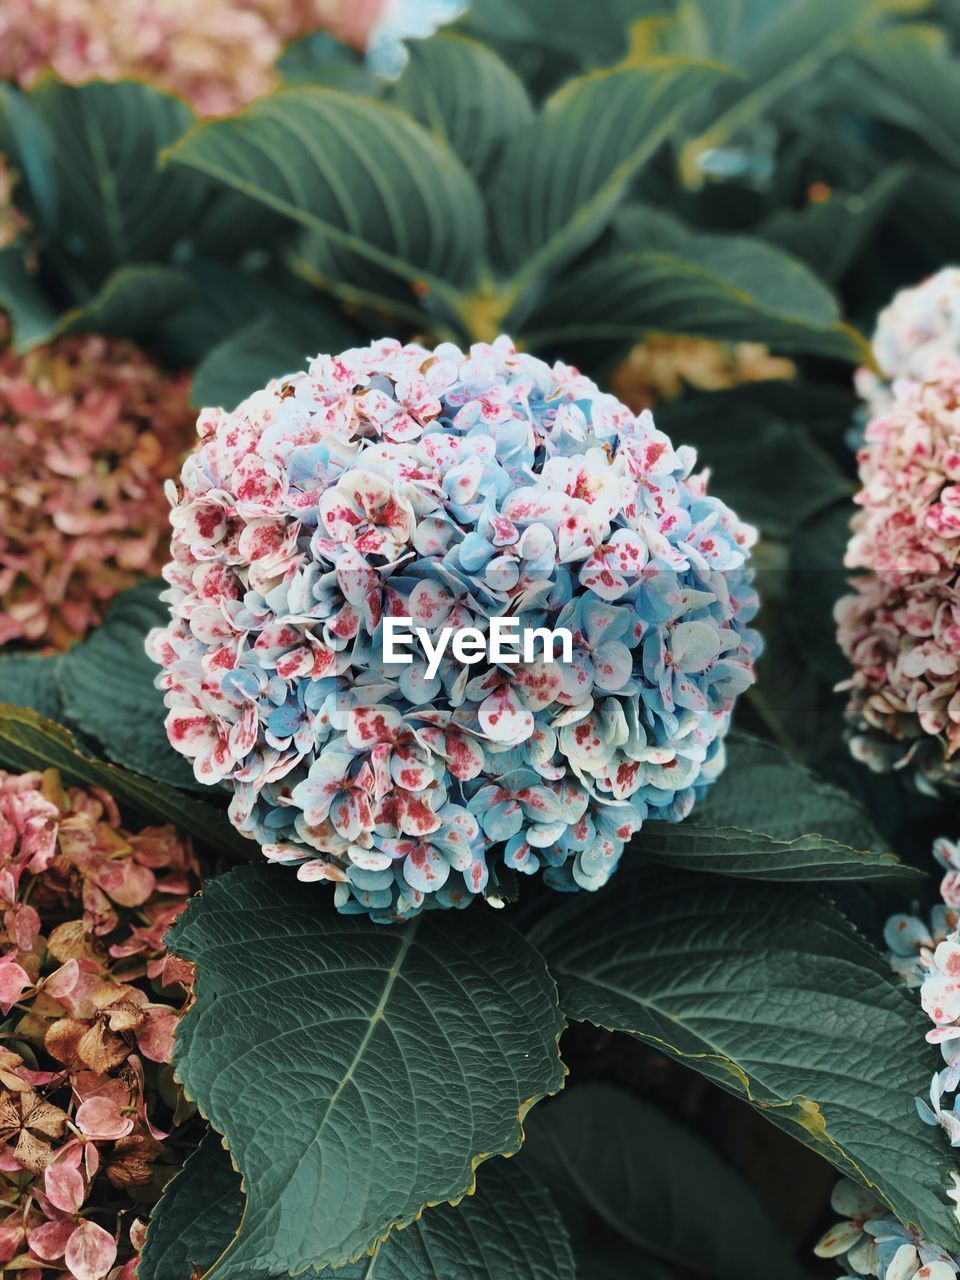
<point x="373" y="186"/>
<point x="462" y="92"/>
<point x="831" y="235"/>
<point x="507" y="1230"/>
<point x="817" y="581"/>
<point x="770" y="992"/>
<point x="30" y="741"/>
<point x="769" y="818"/>
<point x="589" y="35"/>
<point x="910" y="77"/>
<point x="267" y="348"/>
<point x="728" y="287"/>
<point x="361" y="1070"/>
<point x="108" y="689"/>
<point x="226" y="299"/>
<point x="782" y="480"/>
<point x="601" y="1152"/>
<point x="31" y="313"/>
<point x="29" y="145"/>
<point x="561" y="178"/>
<point x="31" y="680"/>
<point x="320" y="59"/>
<point x="131" y="301"/>
<point x="794" y="45"/>
<point x="115" y="206"/>
<point x="196" y="1217"/>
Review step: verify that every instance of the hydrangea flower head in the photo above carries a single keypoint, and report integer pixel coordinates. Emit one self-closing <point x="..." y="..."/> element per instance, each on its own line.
<point x="89" y="430"/>
<point x="900" y="628"/>
<point x="901" y="633"/>
<point x="218" y="56"/>
<point x="909" y="465"/>
<point x="915" y="335"/>
<point x="870" y="1242"/>
<point x="450" y="489"/>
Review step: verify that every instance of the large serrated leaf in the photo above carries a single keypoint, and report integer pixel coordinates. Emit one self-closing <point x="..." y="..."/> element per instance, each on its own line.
<point x="730" y="287"/>
<point x="460" y="90"/>
<point x="364" y="1071"/>
<point x="771" y="993"/>
<point x="562" y="176"/>
<point x="108" y="691"/>
<point x="769" y="818"/>
<point x="507" y="1230"/>
<point x="30" y="741"/>
<point x="603" y="1153"/>
<point x="196" y="1217"/>
<point x="372" y="186"/>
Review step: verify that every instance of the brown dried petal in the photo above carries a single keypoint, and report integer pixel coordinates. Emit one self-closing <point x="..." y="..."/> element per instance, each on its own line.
<point x="62" y="1040"/>
<point x="11" y="1116"/>
<point x="124" y="1016"/>
<point x="47" y="1119"/>
<point x="100" y="1050"/>
<point x="131" y="1164"/>
<point x="68" y="941"/>
<point x="33" y="1153"/>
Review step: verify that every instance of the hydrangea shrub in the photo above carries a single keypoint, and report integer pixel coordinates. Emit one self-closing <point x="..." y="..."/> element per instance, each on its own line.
<point x="90" y="428"/>
<point x="89" y="1000"/>
<point x="449" y="488"/>
<point x="617" y="210"/>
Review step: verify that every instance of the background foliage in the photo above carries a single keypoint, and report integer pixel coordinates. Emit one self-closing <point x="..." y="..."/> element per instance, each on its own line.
<point x="759" y="171"/>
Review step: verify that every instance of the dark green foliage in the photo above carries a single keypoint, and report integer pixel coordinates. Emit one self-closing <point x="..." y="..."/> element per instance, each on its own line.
<point x="578" y="175"/>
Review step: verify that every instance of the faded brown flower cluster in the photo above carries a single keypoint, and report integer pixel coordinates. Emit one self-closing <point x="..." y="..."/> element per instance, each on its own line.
<point x="89" y="1110"/>
<point x="657" y="369"/>
<point x="90" y="428"/>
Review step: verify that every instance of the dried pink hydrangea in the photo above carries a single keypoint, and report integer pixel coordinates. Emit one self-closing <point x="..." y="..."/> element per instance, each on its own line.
<point x="90" y="1001"/>
<point x="910" y="481"/>
<point x="457" y="490"/>
<point x="218" y="55"/>
<point x="90" y="428"/>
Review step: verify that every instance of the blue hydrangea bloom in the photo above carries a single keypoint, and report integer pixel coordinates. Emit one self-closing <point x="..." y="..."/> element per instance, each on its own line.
<point x="452" y="489"/>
